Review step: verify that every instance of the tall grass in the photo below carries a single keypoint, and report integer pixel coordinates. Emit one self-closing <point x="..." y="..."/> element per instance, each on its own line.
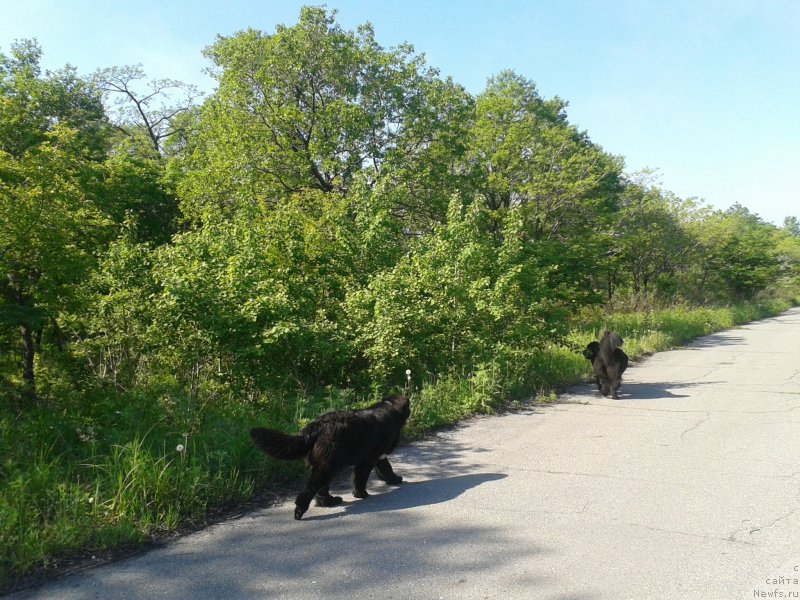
<point x="109" y="469"/>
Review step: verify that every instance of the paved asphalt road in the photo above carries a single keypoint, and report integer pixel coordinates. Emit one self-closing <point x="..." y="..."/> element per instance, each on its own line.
<point x="686" y="487"/>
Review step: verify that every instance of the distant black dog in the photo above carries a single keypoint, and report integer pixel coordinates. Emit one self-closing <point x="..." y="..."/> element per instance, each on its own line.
<point x="357" y="438"/>
<point x="608" y="363"/>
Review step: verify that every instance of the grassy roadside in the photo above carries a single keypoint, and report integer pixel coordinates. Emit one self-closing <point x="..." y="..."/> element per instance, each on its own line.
<point x="111" y="470"/>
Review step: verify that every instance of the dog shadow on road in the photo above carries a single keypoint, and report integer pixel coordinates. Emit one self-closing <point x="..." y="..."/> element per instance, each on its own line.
<point x="657" y="390"/>
<point x="411" y="494"/>
<point x="716" y="340"/>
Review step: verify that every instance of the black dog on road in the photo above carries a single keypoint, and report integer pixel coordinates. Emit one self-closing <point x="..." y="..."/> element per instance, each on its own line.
<point x="358" y="438"/>
<point x="608" y="363"/>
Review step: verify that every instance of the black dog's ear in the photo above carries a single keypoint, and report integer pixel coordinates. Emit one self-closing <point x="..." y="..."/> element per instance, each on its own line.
<point x="591" y="350"/>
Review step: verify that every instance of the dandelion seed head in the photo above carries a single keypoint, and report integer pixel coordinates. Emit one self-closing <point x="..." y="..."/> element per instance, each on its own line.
<point x="180" y="448"/>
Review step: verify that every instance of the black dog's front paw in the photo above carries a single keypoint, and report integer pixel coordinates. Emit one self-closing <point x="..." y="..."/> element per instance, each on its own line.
<point x="393" y="480"/>
<point x="360" y="493"/>
<point x="301" y="503"/>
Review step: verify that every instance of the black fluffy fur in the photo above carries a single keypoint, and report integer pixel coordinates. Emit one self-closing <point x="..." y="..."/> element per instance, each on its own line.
<point x="608" y="363"/>
<point x="357" y="438"/>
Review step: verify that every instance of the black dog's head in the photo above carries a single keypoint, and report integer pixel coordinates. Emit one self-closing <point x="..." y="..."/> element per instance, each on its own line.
<point x="399" y="404"/>
<point x="592" y="350"/>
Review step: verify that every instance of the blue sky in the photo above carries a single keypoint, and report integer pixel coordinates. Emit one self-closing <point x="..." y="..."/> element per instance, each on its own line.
<point x="705" y="91"/>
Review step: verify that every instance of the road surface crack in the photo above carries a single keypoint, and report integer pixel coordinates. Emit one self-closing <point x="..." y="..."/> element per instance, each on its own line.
<point x="730" y="539"/>
<point x="773" y="522"/>
<point x="696" y="425"/>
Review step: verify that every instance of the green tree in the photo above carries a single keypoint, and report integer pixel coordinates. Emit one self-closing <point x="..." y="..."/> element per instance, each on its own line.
<point x="792" y="226"/>
<point x="524" y="154"/>
<point x="113" y="335"/>
<point x="153" y="120"/>
<point x="651" y="244"/>
<point x="460" y="296"/>
<point x="313" y="107"/>
<point x="257" y="298"/>
<point x="53" y="136"/>
<point x="140" y="194"/>
<point x="788" y="253"/>
<point x="736" y="255"/>
<point x="149" y="111"/>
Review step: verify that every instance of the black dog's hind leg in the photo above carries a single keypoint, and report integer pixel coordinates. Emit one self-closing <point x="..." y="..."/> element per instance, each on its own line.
<point x="614" y="385"/>
<point x="324" y="498"/>
<point x="613" y="381"/>
<point x="385" y="472"/>
<point x="361" y="473"/>
<point x="605" y="386"/>
<point x="319" y="480"/>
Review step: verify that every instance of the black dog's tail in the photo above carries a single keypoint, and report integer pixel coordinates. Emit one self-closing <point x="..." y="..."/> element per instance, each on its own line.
<point x="280" y="445"/>
<point x="608" y="343"/>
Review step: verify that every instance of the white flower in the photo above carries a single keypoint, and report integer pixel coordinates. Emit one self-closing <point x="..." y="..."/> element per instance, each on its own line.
<point x="180" y="448"/>
<point x="91" y="500"/>
<point x="408" y="371"/>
